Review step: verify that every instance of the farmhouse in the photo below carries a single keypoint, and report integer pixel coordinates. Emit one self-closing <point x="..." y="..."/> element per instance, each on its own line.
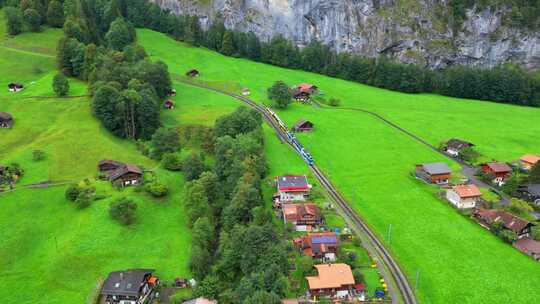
<point x="169" y="104"/>
<point x="303" y="126"/>
<point x="200" y="301"/>
<point x="192" y="73"/>
<point x="303" y="91"/>
<point x="126" y="175"/>
<point x="501" y="171"/>
<point x="528" y="161"/>
<point x="528" y="246"/>
<point x="6" y="120"/>
<point x="304" y="216"/>
<point x="486" y="217"/>
<point x="109" y="165"/>
<point x="133" y="286"/>
<point x="334" y="280"/>
<point x="454" y="146"/>
<point x="292" y="188"/>
<point x="530" y="193"/>
<point x="436" y="173"/>
<point x="322" y="245"/>
<point x="463" y="196"/>
<point x="15" y="87"/>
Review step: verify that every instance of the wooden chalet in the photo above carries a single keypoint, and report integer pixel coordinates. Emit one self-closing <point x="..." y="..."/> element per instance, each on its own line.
<point x="303" y="91"/>
<point x="192" y="73"/>
<point x="530" y="193"/>
<point x="486" y="217"/>
<point x="304" y="217"/>
<point x="135" y="286"/>
<point x="333" y="280"/>
<point x="15" y="87"/>
<point x="323" y="245"/>
<point x="500" y="171"/>
<point x="528" y="246"/>
<point x="169" y="104"/>
<point x="464" y="196"/>
<point x="292" y="188"/>
<point x="454" y="146"/>
<point x="303" y="126"/>
<point x="109" y="165"/>
<point x="126" y="175"/>
<point x="436" y="173"/>
<point x="528" y="161"/>
<point x="6" y="120"/>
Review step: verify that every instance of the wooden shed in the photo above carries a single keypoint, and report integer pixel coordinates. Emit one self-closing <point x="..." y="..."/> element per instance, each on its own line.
<point x="303" y="126"/>
<point x="6" y="120"/>
<point x="15" y="87"/>
<point x="192" y="73"/>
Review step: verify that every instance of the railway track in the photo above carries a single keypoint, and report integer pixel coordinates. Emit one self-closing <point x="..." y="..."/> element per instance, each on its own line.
<point x="376" y="247"/>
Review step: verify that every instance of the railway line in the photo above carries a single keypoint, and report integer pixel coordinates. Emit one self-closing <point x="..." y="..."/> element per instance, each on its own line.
<point x="396" y="278"/>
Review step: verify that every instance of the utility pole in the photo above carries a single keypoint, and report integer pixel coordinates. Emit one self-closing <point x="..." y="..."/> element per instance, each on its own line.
<point x="389" y="234"/>
<point x="417" y="279"/>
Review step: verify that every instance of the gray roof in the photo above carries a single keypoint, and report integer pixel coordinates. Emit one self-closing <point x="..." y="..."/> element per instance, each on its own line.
<point x="292" y="182"/>
<point x="533" y="189"/>
<point x="125" y="283"/>
<point x="437" y="168"/>
<point x="5" y="116"/>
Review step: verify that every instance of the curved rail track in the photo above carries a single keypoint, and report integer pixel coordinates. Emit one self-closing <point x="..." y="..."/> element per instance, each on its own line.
<point x="376" y="247"/>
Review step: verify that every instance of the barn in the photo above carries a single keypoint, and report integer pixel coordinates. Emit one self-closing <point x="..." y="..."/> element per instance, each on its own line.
<point x="6" y="120"/>
<point x="303" y="126"/>
<point x="15" y="87"/>
<point x="192" y="73"/>
<point x="169" y="104"/>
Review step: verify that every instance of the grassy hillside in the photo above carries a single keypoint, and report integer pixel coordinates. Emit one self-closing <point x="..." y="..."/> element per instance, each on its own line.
<point x="457" y="261"/>
<point x="497" y="130"/>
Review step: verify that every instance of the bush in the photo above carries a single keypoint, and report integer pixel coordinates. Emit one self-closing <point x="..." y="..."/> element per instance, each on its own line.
<point x="192" y="167"/>
<point x="508" y="236"/>
<point x="157" y="189"/>
<point x="60" y="85"/>
<point x="72" y="192"/>
<point x="38" y="155"/>
<point x="334" y="102"/>
<point x="85" y="198"/>
<point x="123" y="210"/>
<point x="171" y="161"/>
<point x="358" y="276"/>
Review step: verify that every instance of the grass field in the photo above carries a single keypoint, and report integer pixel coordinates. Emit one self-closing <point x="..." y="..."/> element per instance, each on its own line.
<point x="50" y="251"/>
<point x="371" y="163"/>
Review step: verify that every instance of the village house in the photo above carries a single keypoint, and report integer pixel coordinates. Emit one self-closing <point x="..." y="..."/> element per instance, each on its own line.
<point x="528" y="161"/>
<point x="436" y="173"/>
<point x="303" y="91"/>
<point x="15" y="87"/>
<point x="323" y="245"/>
<point x="500" y="171"/>
<point x="464" y="196"/>
<point x="169" y="104"/>
<point x="454" y="146"/>
<point x="333" y="280"/>
<point x="6" y="120"/>
<point x="192" y="73"/>
<point x="486" y="217"/>
<point x="528" y="246"/>
<point x="303" y="126"/>
<point x="304" y="217"/>
<point x="530" y="193"/>
<point x="292" y="188"/>
<point x="109" y="165"/>
<point x="133" y="286"/>
<point x="200" y="301"/>
<point x="121" y="174"/>
<point x="172" y="93"/>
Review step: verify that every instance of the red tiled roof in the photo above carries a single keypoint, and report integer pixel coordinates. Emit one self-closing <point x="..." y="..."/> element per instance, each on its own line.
<point x="295" y="212"/>
<point x="498" y="167"/>
<point x="466" y="191"/>
<point x="304" y="87"/>
<point x="530" y="159"/>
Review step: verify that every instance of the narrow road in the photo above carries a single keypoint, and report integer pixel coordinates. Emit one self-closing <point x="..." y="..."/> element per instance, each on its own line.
<point x="467" y="170"/>
<point x="397" y="282"/>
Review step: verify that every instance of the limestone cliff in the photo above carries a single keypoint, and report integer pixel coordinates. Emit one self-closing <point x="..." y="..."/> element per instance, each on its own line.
<point x="416" y="31"/>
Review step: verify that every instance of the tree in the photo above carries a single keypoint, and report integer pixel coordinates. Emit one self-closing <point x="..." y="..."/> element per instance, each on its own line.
<point x="280" y="94"/>
<point x="55" y="14"/>
<point x="468" y="154"/>
<point x="358" y="276"/>
<point x="120" y="34"/>
<point x="203" y="234"/>
<point x="534" y="175"/>
<point x="38" y="155"/>
<point x="535" y="233"/>
<point x="209" y="287"/>
<point x="14" y="20"/>
<point x="195" y="202"/>
<point x="243" y="120"/>
<point x="199" y="262"/>
<point x="72" y="192"/>
<point x="227" y="46"/>
<point x="171" y="161"/>
<point x="33" y="19"/>
<point x="508" y="236"/>
<point x="192" y="167"/>
<point x="123" y="210"/>
<point x="60" y="85"/>
<point x="84" y="199"/>
<point x="157" y="189"/>
<point x="510" y="185"/>
<point x="165" y="141"/>
<point x="519" y="207"/>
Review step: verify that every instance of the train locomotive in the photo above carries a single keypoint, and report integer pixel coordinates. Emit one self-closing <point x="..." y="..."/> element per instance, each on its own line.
<point x="291" y="138"/>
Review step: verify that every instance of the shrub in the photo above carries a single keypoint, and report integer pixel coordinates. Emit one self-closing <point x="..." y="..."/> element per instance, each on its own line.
<point x="192" y="167"/>
<point x="123" y="210"/>
<point x="334" y="102"/>
<point x="72" y="192"/>
<point x="84" y="199"/>
<point x="508" y="236"/>
<point x="157" y="189"/>
<point x="171" y="161"/>
<point x="358" y="276"/>
<point x="38" y="155"/>
<point x="60" y="85"/>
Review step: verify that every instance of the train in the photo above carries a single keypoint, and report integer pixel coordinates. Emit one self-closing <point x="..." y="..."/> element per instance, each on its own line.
<point x="291" y="138"/>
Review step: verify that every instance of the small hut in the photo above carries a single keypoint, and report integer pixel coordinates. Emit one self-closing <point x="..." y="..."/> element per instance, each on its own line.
<point x="303" y="126"/>
<point x="15" y="87"/>
<point x="192" y="73"/>
<point x="172" y="92"/>
<point x="169" y="104"/>
<point x="6" y="120"/>
<point x="246" y="92"/>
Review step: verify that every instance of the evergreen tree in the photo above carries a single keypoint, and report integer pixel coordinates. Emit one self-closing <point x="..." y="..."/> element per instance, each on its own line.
<point x="55" y="14"/>
<point x="165" y="141"/>
<point x="120" y="34"/>
<point x="280" y="94"/>
<point x="14" y="20"/>
<point x="33" y="19"/>
<point x="227" y="47"/>
<point x="192" y="167"/>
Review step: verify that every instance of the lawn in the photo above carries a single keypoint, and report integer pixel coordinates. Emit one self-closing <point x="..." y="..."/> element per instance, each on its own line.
<point x="371" y="164"/>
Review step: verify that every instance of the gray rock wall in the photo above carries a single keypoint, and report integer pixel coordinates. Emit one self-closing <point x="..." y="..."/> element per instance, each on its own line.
<point x="414" y="31"/>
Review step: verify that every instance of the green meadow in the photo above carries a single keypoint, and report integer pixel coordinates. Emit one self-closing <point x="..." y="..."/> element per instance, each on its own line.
<point x="455" y="259"/>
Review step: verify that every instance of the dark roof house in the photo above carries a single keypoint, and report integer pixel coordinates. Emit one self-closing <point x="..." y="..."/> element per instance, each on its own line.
<point x="486" y="217"/>
<point x="529" y="246"/>
<point x="169" y="104"/>
<point x="15" y="87"/>
<point x="6" y="120"/>
<point x="109" y="164"/>
<point x="307" y="215"/>
<point x="292" y="183"/>
<point x="437" y="173"/>
<point x="454" y="146"/>
<point x="318" y="244"/>
<point x="129" y="285"/>
<point x="303" y="126"/>
<point x="192" y="73"/>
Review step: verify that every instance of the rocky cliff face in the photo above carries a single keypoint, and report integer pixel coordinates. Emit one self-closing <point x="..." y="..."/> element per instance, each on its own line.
<point x="409" y="30"/>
